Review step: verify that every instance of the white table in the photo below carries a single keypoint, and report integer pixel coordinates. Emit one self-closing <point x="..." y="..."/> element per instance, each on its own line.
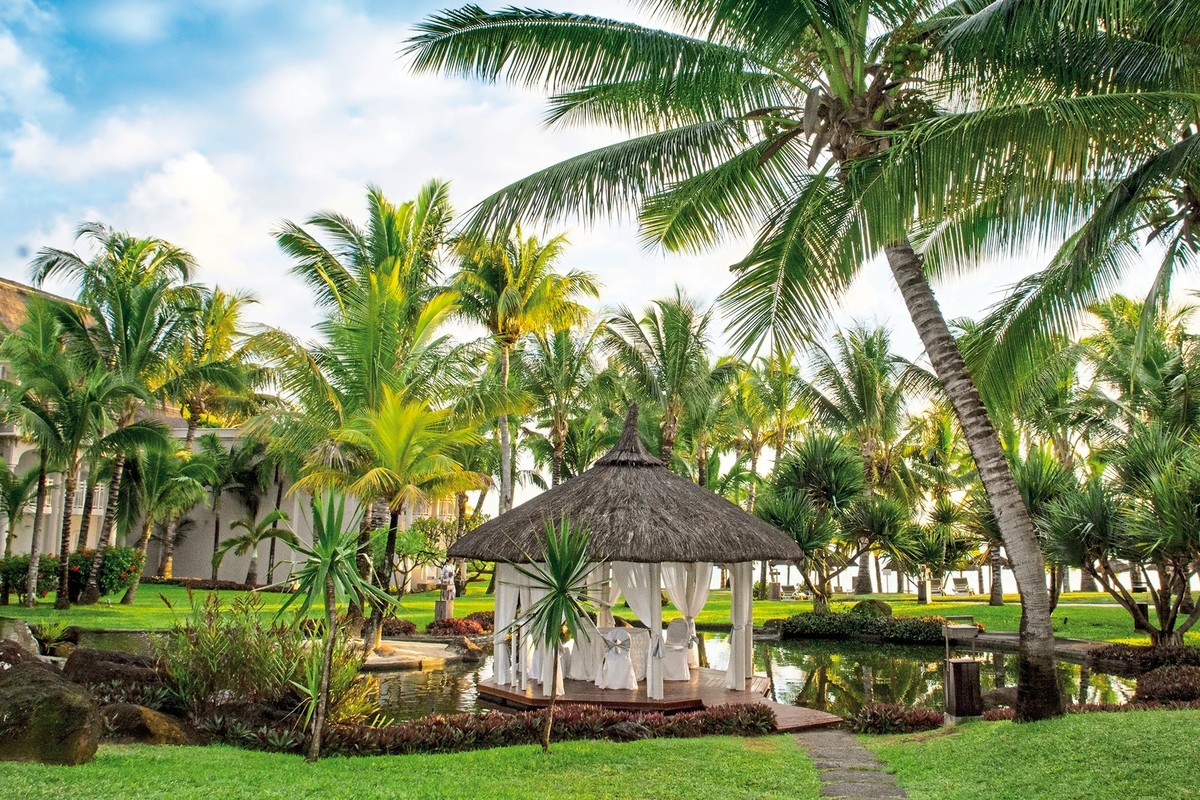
<point x="588" y="653"/>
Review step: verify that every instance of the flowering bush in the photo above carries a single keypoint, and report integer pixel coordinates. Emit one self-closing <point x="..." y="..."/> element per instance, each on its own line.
<point x="454" y="627"/>
<point x="120" y="566"/>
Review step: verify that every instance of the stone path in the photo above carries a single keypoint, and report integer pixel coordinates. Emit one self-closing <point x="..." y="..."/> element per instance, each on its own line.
<point x="848" y="770"/>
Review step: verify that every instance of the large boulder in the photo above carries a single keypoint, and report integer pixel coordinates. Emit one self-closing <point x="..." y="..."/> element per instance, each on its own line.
<point x="95" y="667"/>
<point x="1004" y="697"/>
<point x="46" y="718"/>
<point x="12" y="654"/>
<point x="126" y="722"/>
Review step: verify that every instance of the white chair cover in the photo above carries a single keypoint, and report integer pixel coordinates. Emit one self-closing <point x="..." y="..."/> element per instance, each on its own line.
<point x="617" y="670"/>
<point x="676" y="645"/>
<point x="687" y="585"/>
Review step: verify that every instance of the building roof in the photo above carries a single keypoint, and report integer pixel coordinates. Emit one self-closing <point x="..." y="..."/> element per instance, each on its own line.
<point x="635" y="509"/>
<point x="14" y="298"/>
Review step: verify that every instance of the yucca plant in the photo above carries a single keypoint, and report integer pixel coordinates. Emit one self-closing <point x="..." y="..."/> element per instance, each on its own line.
<point x="561" y="571"/>
<point x="330" y="575"/>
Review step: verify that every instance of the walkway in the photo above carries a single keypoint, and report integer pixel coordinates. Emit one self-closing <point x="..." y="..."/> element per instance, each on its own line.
<point x="848" y="770"/>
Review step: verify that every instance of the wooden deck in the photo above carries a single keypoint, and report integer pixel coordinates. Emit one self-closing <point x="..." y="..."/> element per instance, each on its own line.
<point x="705" y="690"/>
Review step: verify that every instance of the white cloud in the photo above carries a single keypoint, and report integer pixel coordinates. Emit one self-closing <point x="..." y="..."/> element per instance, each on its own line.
<point x="121" y="142"/>
<point x="24" y="83"/>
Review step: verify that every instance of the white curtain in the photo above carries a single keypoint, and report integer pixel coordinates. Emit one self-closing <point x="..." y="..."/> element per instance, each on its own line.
<point x="687" y="588"/>
<point x="741" y="652"/>
<point x="641" y="584"/>
<point x="508" y="593"/>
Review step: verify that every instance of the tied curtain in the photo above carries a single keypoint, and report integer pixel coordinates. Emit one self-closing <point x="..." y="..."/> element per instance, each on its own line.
<point x="641" y="584"/>
<point x="741" y="653"/>
<point x="605" y="591"/>
<point x="687" y="586"/>
<point x="508" y="593"/>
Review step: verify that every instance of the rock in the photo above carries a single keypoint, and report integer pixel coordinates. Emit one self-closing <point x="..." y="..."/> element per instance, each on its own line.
<point x="628" y="731"/>
<point x="46" y="718"/>
<point x="91" y="667"/>
<point x="72" y="634"/>
<point x="997" y="698"/>
<point x="126" y="722"/>
<point x="15" y="630"/>
<point x="12" y="654"/>
<point x="62" y="649"/>
<point x="472" y="653"/>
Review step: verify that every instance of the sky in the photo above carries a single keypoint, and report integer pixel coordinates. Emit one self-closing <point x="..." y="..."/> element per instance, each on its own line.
<point x="209" y="122"/>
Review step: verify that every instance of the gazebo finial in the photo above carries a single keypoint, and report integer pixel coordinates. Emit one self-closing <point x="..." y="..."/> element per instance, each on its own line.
<point x="629" y="450"/>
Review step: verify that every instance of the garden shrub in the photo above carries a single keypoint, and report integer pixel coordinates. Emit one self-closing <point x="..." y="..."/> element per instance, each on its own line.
<point x="486" y="619"/>
<point x="398" y="627"/>
<point x="810" y="625"/>
<point x="872" y="608"/>
<point x="468" y="731"/>
<point x="1169" y="685"/>
<point x="885" y="718"/>
<point x="121" y="565"/>
<point x="454" y="627"/>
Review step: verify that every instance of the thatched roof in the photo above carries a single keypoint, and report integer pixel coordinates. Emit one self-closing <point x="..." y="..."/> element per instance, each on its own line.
<point x="14" y="301"/>
<point x="635" y="510"/>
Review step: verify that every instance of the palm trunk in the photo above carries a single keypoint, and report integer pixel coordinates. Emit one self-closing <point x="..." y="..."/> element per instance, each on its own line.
<point x="702" y="462"/>
<point x="460" y="527"/>
<point x="1038" y="693"/>
<point x="556" y="458"/>
<point x="314" y="747"/>
<point x="89" y="503"/>
<point x="91" y="591"/>
<point x="879" y="574"/>
<point x="167" y="562"/>
<point x="752" y="491"/>
<point x="862" y="581"/>
<point x="763" y="577"/>
<point x="62" y="600"/>
<point x="131" y="592"/>
<point x="217" y="537"/>
<point x="996" y="598"/>
<point x="31" y="576"/>
<point x="506" y="465"/>
<point x="384" y="577"/>
<point x="670" y="428"/>
<point x="252" y="572"/>
<point x="1087" y="583"/>
<point x="278" y="504"/>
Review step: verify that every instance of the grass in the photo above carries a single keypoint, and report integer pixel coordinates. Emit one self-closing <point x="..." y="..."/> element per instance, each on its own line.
<point x="1087" y="617"/>
<point x="1136" y="754"/>
<point x="718" y="766"/>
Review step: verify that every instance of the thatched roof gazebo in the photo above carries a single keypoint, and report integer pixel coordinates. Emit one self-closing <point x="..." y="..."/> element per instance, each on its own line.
<point x="648" y="527"/>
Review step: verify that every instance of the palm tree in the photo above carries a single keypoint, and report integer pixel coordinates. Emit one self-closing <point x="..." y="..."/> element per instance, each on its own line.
<point x="256" y="532"/>
<point x="329" y="576"/>
<point x="510" y="286"/>
<point x="560" y="574"/>
<point x="134" y="308"/>
<point x="232" y="468"/>
<point x="820" y="126"/>
<point x="401" y="452"/>
<point x="560" y="369"/>
<point x="665" y="355"/>
<point x="16" y="491"/>
<point x="170" y="481"/>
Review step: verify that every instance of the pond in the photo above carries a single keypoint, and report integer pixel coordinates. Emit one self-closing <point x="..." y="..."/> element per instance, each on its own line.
<point x="838" y="677"/>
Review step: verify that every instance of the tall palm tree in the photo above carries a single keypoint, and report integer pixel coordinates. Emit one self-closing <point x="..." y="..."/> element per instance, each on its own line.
<point x="665" y="355"/>
<point x="838" y="130"/>
<point x="510" y="286"/>
<point x="231" y="467"/>
<point x="560" y="369"/>
<point x="134" y="308"/>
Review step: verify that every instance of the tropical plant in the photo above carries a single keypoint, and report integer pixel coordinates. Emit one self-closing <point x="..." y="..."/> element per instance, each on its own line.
<point x="16" y="492"/>
<point x="329" y="575"/>
<point x="559" y="371"/>
<point x="255" y="533"/>
<point x="510" y="286"/>
<point x="560" y="574"/>
<point x="232" y="469"/>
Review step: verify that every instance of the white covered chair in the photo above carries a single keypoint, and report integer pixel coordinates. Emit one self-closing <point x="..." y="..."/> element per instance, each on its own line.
<point x="616" y="671"/>
<point x="676" y="647"/>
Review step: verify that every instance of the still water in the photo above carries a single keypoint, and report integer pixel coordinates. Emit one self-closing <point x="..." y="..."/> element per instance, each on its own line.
<point x="838" y="677"/>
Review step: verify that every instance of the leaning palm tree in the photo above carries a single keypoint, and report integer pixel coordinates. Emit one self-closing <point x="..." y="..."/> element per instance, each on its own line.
<point x="837" y="130"/>
<point x="560" y="573"/>
<point x="256" y="532"/>
<point x="329" y="576"/>
<point x="511" y="286"/>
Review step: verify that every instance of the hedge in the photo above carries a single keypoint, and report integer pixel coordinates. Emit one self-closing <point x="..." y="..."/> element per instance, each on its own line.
<point x="121" y="565"/>
<point x="811" y="625"/>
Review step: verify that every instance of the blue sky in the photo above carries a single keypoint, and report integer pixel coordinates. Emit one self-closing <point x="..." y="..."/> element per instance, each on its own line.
<point x="207" y="122"/>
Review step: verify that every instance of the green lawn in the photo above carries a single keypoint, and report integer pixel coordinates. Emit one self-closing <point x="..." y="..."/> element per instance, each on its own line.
<point x="1086" y="618"/>
<point x="665" y="768"/>
<point x="1126" y="756"/>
